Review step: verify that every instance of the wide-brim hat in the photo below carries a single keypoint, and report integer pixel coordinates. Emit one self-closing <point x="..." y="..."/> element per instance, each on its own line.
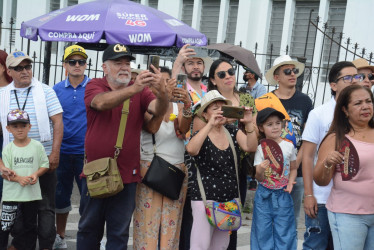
<point x="361" y="63"/>
<point x="137" y="71"/>
<point x="280" y="61"/>
<point x="264" y="114"/>
<point x="209" y="98"/>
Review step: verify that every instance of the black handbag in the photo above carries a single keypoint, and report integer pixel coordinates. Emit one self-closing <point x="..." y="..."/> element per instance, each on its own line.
<point x="164" y="177"/>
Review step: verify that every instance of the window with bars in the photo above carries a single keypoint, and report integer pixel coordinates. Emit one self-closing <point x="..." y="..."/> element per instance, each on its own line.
<point x="275" y="31"/>
<point x="330" y="50"/>
<point x="300" y="30"/>
<point x="72" y="2"/>
<point x="209" y="19"/>
<point x="14" y="16"/>
<point x="187" y="12"/>
<point x="54" y="5"/>
<point x="231" y="21"/>
<point x="153" y="3"/>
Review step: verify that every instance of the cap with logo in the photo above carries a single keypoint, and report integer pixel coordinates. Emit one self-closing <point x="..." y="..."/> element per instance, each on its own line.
<point x="75" y="50"/>
<point x="18" y="115"/>
<point x="115" y="51"/>
<point x="15" y="58"/>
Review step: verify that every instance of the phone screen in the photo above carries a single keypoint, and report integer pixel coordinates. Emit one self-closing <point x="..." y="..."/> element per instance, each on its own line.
<point x="181" y="81"/>
<point x="155" y="61"/>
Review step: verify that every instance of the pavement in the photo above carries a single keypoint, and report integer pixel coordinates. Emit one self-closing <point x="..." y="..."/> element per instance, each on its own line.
<point x="243" y="233"/>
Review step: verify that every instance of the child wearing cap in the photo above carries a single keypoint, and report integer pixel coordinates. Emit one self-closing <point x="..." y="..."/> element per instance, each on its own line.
<point x="27" y="158"/>
<point x="273" y="222"/>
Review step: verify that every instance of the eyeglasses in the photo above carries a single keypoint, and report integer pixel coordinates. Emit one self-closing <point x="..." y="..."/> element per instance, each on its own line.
<point x="287" y="72"/>
<point x="73" y="62"/>
<point x="350" y="78"/>
<point x="21" y="68"/>
<point x="369" y="76"/>
<point x="222" y="74"/>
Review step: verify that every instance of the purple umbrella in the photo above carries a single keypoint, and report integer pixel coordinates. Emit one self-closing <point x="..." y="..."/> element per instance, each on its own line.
<point x="116" y="21"/>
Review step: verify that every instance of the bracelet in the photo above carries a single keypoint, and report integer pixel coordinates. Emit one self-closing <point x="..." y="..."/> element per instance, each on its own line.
<point x="187" y="105"/>
<point x="326" y="166"/>
<point x="248" y="132"/>
<point x="308" y="195"/>
<point x="187" y="113"/>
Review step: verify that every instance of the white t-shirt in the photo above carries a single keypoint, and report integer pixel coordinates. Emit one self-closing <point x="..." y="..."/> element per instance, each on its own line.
<point x="316" y="128"/>
<point x="289" y="154"/>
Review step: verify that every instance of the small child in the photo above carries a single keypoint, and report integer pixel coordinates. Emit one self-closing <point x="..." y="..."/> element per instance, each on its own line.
<point x="21" y="191"/>
<point x="273" y="222"/>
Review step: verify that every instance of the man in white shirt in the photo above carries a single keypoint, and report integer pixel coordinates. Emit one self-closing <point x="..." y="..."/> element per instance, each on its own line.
<point x="342" y="74"/>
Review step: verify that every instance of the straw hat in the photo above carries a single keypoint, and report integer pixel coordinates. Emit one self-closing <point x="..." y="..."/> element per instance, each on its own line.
<point x="279" y="61"/>
<point x="137" y="71"/>
<point x="209" y="98"/>
<point x="361" y="63"/>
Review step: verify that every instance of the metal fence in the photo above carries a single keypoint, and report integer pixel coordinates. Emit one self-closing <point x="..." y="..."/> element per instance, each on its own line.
<point x="335" y="47"/>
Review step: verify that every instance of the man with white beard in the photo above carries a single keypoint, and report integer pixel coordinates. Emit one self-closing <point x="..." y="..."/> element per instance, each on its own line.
<point x="104" y="98"/>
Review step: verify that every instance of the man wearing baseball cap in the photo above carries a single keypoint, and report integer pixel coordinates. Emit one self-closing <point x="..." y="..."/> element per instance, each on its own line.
<point x="104" y="98"/>
<point x="253" y="87"/>
<point x="70" y="92"/>
<point x="41" y="103"/>
<point x="294" y="105"/>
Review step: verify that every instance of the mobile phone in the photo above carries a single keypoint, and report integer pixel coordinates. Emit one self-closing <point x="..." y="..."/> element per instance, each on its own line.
<point x="201" y="52"/>
<point x="232" y="112"/>
<point x="155" y="61"/>
<point x="181" y="81"/>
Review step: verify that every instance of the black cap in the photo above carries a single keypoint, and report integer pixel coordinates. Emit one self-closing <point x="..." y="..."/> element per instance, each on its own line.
<point x="264" y="114"/>
<point x="115" y="51"/>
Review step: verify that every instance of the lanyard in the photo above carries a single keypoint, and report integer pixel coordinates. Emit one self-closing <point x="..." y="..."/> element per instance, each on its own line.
<point x="24" y="104"/>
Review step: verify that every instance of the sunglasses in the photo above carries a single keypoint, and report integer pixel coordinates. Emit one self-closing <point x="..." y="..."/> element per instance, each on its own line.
<point x="21" y="68"/>
<point x="73" y="62"/>
<point x="287" y="72"/>
<point x="350" y="78"/>
<point x="222" y="74"/>
<point x="369" y="76"/>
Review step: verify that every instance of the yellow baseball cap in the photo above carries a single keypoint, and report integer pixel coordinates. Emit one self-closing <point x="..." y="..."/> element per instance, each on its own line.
<point x="75" y="50"/>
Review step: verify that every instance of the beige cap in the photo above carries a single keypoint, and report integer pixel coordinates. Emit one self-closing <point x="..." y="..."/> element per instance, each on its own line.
<point x="15" y="58"/>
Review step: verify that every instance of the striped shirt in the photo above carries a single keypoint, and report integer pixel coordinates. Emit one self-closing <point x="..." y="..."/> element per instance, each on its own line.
<point x="53" y="107"/>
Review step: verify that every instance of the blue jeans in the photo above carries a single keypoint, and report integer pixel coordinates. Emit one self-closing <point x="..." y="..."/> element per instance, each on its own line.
<point x="69" y="168"/>
<point x="297" y="197"/>
<point x="318" y="232"/>
<point x="273" y="222"/>
<point x="352" y="231"/>
<point x="116" y="211"/>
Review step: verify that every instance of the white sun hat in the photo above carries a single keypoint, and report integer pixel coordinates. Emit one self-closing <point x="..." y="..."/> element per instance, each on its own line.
<point x="279" y="61"/>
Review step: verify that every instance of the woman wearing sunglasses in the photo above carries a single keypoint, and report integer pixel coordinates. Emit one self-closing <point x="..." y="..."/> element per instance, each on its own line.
<point x="222" y="78"/>
<point x="366" y="70"/>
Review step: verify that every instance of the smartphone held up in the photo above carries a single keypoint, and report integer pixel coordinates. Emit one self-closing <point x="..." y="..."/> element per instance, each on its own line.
<point x="232" y="112"/>
<point x="181" y="81"/>
<point x="155" y="61"/>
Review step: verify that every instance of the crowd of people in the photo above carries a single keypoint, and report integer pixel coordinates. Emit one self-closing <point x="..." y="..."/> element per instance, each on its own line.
<point x="318" y="157"/>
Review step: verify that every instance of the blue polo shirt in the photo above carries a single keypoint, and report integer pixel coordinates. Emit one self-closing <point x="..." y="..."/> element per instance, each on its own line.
<point x="74" y="116"/>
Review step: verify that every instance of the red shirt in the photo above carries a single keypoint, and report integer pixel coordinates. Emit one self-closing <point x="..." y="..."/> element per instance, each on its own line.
<point x="102" y="129"/>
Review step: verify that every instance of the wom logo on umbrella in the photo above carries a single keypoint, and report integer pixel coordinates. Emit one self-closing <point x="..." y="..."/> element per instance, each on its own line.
<point x="140" y="38"/>
<point x="80" y="18"/>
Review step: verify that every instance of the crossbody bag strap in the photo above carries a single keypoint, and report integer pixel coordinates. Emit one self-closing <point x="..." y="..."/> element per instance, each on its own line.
<point x="199" y="181"/>
<point x="122" y="127"/>
<point x="235" y="156"/>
